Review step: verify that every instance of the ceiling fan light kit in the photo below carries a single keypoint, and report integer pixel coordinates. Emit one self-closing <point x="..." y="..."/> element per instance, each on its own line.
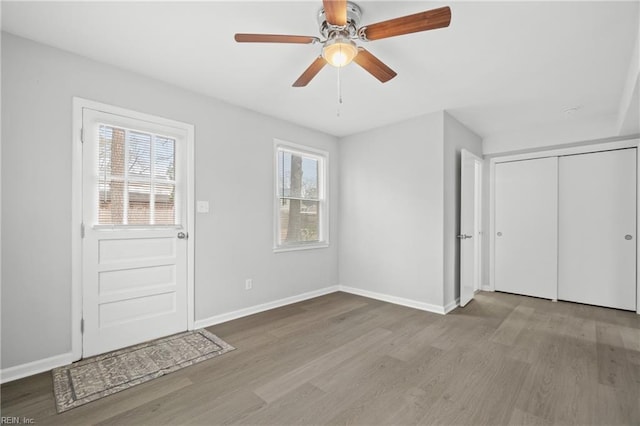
<point x="339" y="48"/>
<point x="339" y="24"/>
<point x="339" y="51"/>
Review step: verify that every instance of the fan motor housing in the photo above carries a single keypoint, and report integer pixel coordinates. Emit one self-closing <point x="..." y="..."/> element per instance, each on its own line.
<point x="354" y="13"/>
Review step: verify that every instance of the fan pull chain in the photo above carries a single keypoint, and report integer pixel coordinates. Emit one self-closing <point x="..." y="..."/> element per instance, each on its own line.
<point x="339" y="92"/>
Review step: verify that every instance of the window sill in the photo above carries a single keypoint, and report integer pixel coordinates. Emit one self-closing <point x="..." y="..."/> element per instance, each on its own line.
<point x="300" y="247"/>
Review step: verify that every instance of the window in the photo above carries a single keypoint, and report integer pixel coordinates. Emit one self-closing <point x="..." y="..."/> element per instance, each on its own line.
<point x="136" y="177"/>
<point x="301" y="206"/>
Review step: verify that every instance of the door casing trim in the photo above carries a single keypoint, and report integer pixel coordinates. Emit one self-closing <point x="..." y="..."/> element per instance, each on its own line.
<point x="76" y="210"/>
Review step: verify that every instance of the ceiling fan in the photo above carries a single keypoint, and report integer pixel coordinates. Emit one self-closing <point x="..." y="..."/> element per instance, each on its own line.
<point x="339" y="22"/>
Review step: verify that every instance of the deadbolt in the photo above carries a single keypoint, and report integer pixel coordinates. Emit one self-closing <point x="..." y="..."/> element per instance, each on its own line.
<point x="628" y="237"/>
<point x="182" y="235"/>
<point x="499" y="234"/>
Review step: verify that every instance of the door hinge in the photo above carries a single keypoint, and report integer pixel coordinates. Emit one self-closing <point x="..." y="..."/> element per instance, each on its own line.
<point x="82" y="135"/>
<point x="82" y="230"/>
<point x="82" y="325"/>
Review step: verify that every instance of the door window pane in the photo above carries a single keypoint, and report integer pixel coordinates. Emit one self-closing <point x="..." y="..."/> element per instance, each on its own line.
<point x="164" y="158"/>
<point x="165" y="207"/>
<point x="139" y="206"/>
<point x="139" y="161"/>
<point x="136" y="178"/>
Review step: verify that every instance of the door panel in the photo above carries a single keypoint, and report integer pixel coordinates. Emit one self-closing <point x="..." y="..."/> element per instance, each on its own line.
<point x="129" y="310"/>
<point x="130" y="249"/>
<point x="134" y="205"/>
<point x="526" y="227"/>
<point x="127" y="280"/>
<point x="597" y="247"/>
<point x="470" y="202"/>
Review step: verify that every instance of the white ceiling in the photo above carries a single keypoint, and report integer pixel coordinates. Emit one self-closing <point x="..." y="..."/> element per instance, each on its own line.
<point x="499" y="67"/>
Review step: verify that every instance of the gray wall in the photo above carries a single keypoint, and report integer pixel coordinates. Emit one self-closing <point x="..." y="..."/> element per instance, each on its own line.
<point x="400" y="208"/>
<point x="456" y="138"/>
<point x="234" y="172"/>
<point x="391" y="210"/>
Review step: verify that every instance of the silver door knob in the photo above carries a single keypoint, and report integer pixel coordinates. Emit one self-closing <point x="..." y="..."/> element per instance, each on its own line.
<point x="499" y="234"/>
<point x="628" y="237"/>
<point x="182" y="235"/>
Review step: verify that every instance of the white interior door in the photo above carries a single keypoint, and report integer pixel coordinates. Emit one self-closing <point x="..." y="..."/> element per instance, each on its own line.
<point x="134" y="249"/>
<point x="470" y="225"/>
<point x="526" y="227"/>
<point x="597" y="247"/>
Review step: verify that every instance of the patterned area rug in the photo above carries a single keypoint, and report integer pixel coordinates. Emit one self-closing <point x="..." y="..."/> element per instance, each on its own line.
<point x="93" y="378"/>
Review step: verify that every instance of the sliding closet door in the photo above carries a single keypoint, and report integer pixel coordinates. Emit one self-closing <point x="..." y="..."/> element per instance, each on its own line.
<point x="526" y="239"/>
<point x="597" y="246"/>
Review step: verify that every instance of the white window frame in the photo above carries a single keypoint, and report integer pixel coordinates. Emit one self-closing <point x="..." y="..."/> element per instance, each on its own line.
<point x="323" y="196"/>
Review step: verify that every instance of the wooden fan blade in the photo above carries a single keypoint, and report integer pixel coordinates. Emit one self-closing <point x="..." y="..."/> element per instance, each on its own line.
<point x="310" y="72"/>
<point x="423" y="21"/>
<point x="373" y="65"/>
<point x="335" y="11"/>
<point x="274" y="38"/>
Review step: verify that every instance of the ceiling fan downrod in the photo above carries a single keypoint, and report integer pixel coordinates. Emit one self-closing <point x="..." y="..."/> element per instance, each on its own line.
<point x="349" y="29"/>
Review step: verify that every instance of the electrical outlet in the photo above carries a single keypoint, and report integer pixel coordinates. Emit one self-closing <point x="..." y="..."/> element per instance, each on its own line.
<point x="248" y="284"/>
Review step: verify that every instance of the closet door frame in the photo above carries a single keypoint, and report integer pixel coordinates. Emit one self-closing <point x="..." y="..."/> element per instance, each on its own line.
<point x="583" y="149"/>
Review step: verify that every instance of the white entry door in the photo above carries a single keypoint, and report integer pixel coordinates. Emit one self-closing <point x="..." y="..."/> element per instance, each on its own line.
<point x="470" y="225"/>
<point x="526" y="227"/>
<point x="597" y="245"/>
<point x="134" y="248"/>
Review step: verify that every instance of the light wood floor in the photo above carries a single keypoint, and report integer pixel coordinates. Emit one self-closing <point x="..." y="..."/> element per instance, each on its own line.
<point x="344" y="359"/>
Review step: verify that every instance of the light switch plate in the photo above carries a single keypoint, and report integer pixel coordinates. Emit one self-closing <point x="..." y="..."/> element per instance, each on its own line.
<point x="202" y="206"/>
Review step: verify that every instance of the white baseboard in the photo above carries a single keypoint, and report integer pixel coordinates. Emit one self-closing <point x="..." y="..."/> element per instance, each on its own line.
<point x="438" y="309"/>
<point x="217" y="319"/>
<point x="35" y="367"/>
<point x="486" y="287"/>
<point x="451" y="306"/>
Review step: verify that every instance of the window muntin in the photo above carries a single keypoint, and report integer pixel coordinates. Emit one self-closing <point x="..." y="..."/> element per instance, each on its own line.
<point x="136" y="177"/>
<point x="300" y="198"/>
